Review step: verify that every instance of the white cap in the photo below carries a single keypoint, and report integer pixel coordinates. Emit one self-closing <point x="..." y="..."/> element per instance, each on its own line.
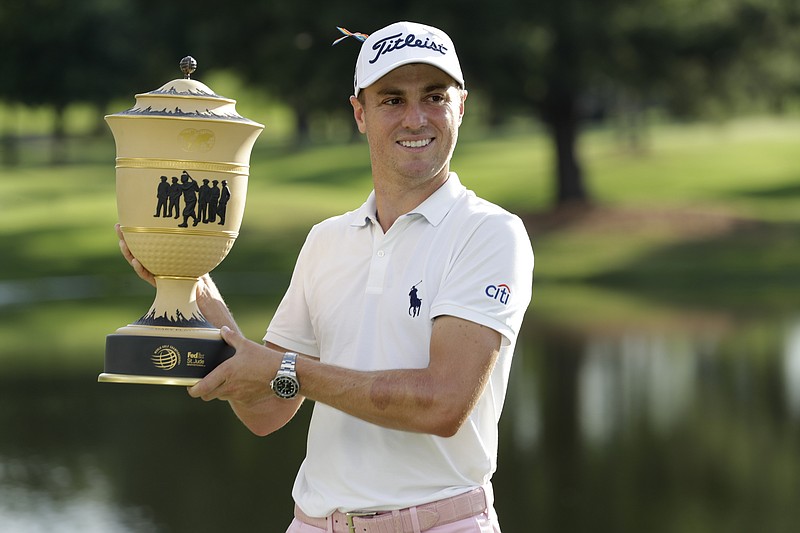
<point x="403" y="43"/>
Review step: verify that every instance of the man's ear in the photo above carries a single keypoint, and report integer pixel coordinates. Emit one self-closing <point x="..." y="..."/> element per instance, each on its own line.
<point x="462" y="107"/>
<point x="358" y="114"/>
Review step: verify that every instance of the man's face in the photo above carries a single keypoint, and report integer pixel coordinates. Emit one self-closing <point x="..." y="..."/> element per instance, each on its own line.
<point x="411" y="118"/>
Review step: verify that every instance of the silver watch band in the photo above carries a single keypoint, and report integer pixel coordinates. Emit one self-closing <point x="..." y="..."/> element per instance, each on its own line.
<point x="288" y="363"/>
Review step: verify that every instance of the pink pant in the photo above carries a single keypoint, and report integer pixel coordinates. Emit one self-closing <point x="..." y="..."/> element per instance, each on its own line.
<point x="481" y="523"/>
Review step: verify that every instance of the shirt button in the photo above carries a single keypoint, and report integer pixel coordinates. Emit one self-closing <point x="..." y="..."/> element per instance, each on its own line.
<point x="381" y="253"/>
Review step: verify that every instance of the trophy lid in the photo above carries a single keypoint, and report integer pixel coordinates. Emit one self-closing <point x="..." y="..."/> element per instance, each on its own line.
<point x="186" y="98"/>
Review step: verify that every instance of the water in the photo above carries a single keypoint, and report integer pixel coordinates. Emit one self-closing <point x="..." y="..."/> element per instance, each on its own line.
<point x="674" y="429"/>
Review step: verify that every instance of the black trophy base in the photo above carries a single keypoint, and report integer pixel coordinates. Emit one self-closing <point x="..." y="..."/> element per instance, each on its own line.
<point x="152" y="360"/>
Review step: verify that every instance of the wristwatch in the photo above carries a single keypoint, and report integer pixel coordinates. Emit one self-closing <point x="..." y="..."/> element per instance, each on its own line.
<point x="285" y="384"/>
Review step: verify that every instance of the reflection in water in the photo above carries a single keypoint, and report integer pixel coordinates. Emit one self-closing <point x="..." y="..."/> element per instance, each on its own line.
<point x="791" y="369"/>
<point x="38" y="496"/>
<point x="522" y="413"/>
<point x="653" y="431"/>
<point x="636" y="431"/>
<point x="639" y="376"/>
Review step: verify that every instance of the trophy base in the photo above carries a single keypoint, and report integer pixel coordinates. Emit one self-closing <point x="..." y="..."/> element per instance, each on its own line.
<point x="145" y="380"/>
<point x="161" y="360"/>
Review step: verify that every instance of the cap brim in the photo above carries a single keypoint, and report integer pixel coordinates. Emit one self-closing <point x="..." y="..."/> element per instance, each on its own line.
<point x="409" y="61"/>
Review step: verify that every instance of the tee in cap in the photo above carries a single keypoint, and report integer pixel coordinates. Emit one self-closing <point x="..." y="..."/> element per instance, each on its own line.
<point x="403" y="43"/>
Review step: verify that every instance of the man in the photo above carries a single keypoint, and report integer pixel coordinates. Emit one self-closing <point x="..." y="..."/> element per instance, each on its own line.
<point x="162" y="194"/>
<point x="190" y="189"/>
<point x="222" y="206"/>
<point x="404" y="431"/>
<point x="204" y="202"/>
<point x="175" y="193"/>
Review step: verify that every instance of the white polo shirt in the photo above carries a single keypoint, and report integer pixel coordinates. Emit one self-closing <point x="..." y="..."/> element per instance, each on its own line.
<point x="366" y="300"/>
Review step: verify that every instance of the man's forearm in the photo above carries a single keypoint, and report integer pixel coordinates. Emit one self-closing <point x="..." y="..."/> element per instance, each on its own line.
<point x="435" y="400"/>
<point x="266" y="416"/>
<point x="408" y="399"/>
<point x="213" y="306"/>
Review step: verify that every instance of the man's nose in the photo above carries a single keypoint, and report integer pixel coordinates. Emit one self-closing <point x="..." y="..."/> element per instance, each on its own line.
<point x="415" y="116"/>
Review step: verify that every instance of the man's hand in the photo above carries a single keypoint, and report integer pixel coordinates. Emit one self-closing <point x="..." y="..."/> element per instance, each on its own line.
<point x="140" y="270"/>
<point x="244" y="378"/>
<point x="209" y="299"/>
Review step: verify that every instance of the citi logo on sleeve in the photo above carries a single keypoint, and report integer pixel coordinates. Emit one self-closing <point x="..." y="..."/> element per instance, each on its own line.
<point x="500" y="292"/>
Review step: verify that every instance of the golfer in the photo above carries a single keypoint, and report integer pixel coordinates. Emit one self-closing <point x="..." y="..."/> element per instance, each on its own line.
<point x="399" y="322"/>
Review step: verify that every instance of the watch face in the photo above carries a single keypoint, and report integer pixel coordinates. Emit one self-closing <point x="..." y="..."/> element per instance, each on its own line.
<point x="285" y="386"/>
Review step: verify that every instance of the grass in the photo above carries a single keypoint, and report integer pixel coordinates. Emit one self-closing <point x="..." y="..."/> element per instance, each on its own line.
<point x="743" y="165"/>
<point x="644" y="254"/>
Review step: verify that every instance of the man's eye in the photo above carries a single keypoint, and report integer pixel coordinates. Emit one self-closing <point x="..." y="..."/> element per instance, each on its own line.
<point x="392" y="101"/>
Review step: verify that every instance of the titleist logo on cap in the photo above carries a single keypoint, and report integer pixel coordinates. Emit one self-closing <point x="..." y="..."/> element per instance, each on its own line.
<point x="398" y="41"/>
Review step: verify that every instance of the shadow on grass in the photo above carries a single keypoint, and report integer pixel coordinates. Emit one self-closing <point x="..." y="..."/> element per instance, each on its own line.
<point x="340" y="165"/>
<point x="749" y="271"/>
<point x="784" y="192"/>
<point x="685" y="259"/>
<point x="82" y="250"/>
<point x="338" y="175"/>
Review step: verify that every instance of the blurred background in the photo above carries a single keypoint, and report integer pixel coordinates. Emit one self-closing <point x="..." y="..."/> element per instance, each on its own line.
<point x="652" y="147"/>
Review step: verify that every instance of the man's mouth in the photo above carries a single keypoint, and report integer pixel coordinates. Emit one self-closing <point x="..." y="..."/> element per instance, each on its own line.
<point x="416" y="144"/>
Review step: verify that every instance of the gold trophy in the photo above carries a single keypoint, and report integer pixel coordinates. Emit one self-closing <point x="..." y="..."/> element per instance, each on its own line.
<point x="183" y="160"/>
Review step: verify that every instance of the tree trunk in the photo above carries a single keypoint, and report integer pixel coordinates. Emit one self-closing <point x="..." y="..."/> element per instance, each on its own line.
<point x="100" y="128"/>
<point x="302" y="126"/>
<point x="58" y="154"/>
<point x="9" y="141"/>
<point x="562" y="118"/>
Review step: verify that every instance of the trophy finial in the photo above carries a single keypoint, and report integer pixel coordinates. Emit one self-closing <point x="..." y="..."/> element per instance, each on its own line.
<point x="188" y="65"/>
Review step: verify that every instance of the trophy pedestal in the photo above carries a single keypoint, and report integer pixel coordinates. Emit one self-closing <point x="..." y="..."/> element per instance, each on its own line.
<point x="173" y="344"/>
<point x="158" y="356"/>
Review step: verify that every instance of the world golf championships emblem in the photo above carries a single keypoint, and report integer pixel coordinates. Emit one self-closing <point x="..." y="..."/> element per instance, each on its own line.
<point x="166" y="357"/>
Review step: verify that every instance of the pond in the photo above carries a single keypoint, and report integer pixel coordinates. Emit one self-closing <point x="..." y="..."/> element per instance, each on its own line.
<point x="689" y="428"/>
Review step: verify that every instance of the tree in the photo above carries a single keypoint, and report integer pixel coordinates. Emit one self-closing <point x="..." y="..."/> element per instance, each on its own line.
<point x="279" y="48"/>
<point x="57" y="52"/>
<point x="556" y="57"/>
<point x="567" y="61"/>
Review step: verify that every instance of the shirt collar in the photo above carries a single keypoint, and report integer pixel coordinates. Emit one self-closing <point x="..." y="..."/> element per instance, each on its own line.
<point x="434" y="208"/>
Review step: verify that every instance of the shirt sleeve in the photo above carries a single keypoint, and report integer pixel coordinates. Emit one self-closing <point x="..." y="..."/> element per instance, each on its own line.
<point x="490" y="278"/>
<point x="291" y="326"/>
